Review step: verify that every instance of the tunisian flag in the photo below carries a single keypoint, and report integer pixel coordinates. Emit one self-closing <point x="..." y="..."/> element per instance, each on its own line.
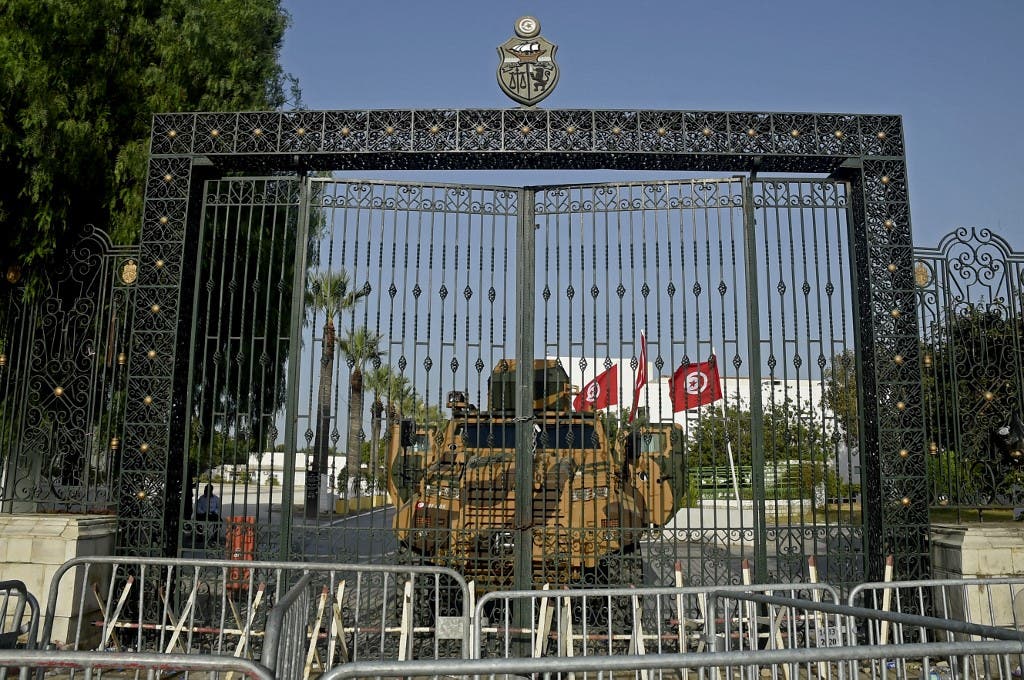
<point x="641" y="377"/>
<point x="601" y="392"/>
<point x="695" y="385"/>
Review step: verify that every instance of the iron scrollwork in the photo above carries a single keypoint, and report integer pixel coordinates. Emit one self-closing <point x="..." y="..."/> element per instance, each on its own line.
<point x="65" y="354"/>
<point x="971" y="308"/>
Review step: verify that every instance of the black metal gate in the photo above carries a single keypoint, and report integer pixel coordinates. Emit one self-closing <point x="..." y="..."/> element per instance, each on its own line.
<point x="971" y="310"/>
<point x="326" y="312"/>
<point x="207" y="359"/>
<point x="63" y="371"/>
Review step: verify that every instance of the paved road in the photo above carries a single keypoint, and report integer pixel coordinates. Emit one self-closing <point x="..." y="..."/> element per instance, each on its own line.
<point x="361" y="538"/>
<point x="365" y="537"/>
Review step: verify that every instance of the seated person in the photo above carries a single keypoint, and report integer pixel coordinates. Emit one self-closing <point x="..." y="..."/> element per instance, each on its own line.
<point x="208" y="506"/>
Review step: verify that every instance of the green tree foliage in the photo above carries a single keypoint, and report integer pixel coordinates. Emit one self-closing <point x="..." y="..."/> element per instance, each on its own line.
<point x="797" y="442"/>
<point x="791" y="432"/>
<point x="839" y="393"/>
<point x="79" y="82"/>
<point x="972" y="377"/>
<point x="384" y="384"/>
<point x="361" y="347"/>
<point x="972" y="365"/>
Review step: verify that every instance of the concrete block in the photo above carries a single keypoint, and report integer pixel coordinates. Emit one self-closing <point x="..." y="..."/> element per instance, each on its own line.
<point x="19" y="547"/>
<point x="48" y="550"/>
<point x="35" y="547"/>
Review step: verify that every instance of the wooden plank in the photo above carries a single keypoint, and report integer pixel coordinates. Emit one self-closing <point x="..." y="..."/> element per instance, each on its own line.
<point x="117" y="612"/>
<point x="314" y="635"/>
<point x="543" y="624"/>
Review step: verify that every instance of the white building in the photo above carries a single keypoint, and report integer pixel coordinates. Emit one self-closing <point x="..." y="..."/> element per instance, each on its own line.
<point x="262" y="467"/>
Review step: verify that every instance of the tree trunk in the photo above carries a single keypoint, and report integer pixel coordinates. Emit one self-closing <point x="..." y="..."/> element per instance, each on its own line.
<point x="355" y="426"/>
<point x="376" y="414"/>
<point x="318" y="459"/>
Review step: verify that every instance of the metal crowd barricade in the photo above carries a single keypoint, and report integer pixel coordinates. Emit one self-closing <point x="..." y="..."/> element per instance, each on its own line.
<point x="764" y="613"/>
<point x="19" y="616"/>
<point x="988" y="601"/>
<point x="915" y="661"/>
<point x="129" y="664"/>
<point x="610" y="621"/>
<point x="285" y="646"/>
<point x="221" y="607"/>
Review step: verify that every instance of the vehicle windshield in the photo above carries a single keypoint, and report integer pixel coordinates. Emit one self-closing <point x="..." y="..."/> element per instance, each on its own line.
<point x="652" y="442"/>
<point x="546" y="437"/>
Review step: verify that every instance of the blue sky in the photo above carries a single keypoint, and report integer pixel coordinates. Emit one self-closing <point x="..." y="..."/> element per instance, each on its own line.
<point x="951" y="69"/>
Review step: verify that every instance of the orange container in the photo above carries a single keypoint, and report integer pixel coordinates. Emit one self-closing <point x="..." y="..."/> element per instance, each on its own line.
<point x="240" y="544"/>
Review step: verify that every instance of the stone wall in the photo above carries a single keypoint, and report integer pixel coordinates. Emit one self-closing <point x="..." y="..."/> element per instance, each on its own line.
<point x="982" y="550"/>
<point x="34" y="546"/>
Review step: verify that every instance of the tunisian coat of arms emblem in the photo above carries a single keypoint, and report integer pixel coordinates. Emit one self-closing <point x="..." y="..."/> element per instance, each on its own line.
<point x="527" y="71"/>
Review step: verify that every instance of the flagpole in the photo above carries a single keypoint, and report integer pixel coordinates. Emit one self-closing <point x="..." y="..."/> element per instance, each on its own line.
<point x="732" y="463"/>
<point x="728" y="445"/>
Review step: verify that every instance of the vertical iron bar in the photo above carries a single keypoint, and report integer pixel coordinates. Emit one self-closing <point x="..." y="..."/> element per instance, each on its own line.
<point x="754" y="362"/>
<point x="294" y="361"/>
<point x="526" y="242"/>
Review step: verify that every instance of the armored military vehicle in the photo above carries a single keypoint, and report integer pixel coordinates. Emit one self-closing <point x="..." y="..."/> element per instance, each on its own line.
<point x="593" y="495"/>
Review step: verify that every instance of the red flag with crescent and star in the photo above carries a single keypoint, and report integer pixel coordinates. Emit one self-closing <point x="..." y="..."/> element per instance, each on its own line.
<point x="695" y="385"/>
<point x="601" y="392"/>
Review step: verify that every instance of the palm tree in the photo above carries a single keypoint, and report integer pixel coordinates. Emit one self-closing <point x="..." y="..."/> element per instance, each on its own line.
<point x="330" y="293"/>
<point x="378" y="381"/>
<point x="396" y="390"/>
<point x="360" y="347"/>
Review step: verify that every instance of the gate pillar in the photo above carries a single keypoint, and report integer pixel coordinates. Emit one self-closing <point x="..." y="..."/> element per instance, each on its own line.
<point x="894" y="488"/>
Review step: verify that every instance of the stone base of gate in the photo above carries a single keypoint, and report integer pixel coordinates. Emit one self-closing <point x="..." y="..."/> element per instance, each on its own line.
<point x="977" y="550"/>
<point x="32" y="548"/>
<point x="989" y="550"/>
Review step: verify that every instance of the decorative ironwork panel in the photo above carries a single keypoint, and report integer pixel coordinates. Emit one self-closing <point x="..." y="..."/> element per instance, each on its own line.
<point x="892" y="449"/>
<point x="237" y="486"/>
<point x="63" y="361"/>
<point x="971" y="312"/>
<point x="670" y="139"/>
<point x="410" y="299"/>
<point x="146" y="502"/>
<point x="806" y="342"/>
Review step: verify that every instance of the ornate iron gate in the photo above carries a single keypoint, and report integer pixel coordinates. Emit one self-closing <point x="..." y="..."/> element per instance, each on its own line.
<point x="247" y="294"/>
<point x="180" y="396"/>
<point x="327" y="312"/>
<point x="63" y="367"/>
<point x="970" y="307"/>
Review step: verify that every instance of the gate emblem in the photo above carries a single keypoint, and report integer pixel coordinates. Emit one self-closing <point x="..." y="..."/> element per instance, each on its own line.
<point x="129" y="272"/>
<point x="527" y="71"/>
